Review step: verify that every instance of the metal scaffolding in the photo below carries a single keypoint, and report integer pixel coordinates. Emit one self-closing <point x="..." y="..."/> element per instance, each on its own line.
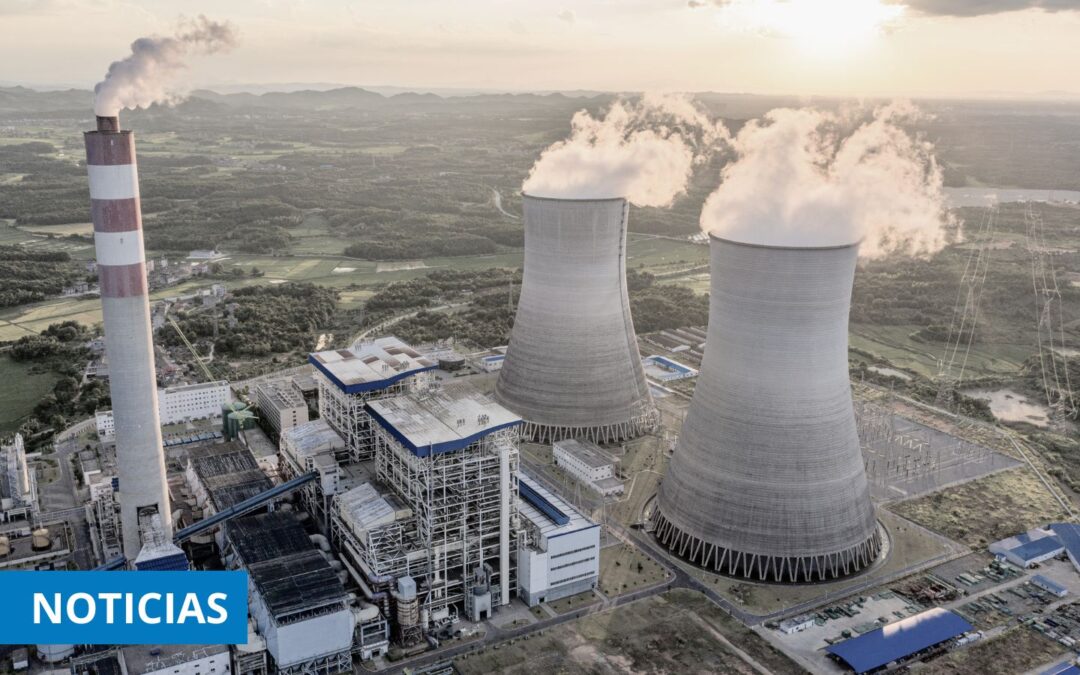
<point x="346" y="413"/>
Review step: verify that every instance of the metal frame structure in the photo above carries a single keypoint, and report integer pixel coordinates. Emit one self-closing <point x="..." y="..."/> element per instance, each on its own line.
<point x="346" y="413"/>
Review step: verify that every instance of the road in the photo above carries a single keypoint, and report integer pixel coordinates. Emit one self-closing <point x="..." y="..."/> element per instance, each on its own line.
<point x="59" y="502"/>
<point x="498" y="204"/>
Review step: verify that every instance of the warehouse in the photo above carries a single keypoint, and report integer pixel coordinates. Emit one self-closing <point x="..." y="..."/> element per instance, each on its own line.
<point x="561" y="554"/>
<point x="1029" y="548"/>
<point x="281" y="406"/>
<point x="899" y="641"/>
<point x="349" y="378"/>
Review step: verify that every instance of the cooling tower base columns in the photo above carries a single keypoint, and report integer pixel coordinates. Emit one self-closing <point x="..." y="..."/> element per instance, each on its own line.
<point x="761" y="567"/>
<point x="608" y="433"/>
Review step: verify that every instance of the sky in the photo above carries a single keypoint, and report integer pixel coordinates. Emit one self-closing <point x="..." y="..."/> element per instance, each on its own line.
<point x="801" y="47"/>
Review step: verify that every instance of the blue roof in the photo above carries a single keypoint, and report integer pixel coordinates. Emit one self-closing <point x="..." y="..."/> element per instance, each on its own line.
<point x="1061" y="669"/>
<point x="898" y="640"/>
<point x="1049" y="584"/>
<point x="1069" y="534"/>
<point x="1037" y="548"/>
<point x="361" y="387"/>
<point x="543" y="505"/>
<point x="176" y="562"/>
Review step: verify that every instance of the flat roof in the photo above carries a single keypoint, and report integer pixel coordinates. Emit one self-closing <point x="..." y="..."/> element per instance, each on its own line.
<point x="139" y="659"/>
<point x="312" y="438"/>
<point x="587" y="451"/>
<point x="370" y="365"/>
<point x="229" y="473"/>
<point x="447" y="419"/>
<point x="548" y="512"/>
<point x="899" y="639"/>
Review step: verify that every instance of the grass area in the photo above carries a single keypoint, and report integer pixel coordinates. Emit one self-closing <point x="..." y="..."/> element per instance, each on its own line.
<point x="20" y="390"/>
<point x="893" y="343"/>
<point x="642" y="465"/>
<point x="1014" y="651"/>
<point x="624" y="569"/>
<point x="909" y="545"/>
<point x="677" y="632"/>
<point x="85" y="229"/>
<point x="985" y="510"/>
<point x="573" y="602"/>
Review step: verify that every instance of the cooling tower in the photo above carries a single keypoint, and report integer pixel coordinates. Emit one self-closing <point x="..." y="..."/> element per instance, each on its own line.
<point x="572" y="368"/>
<point x="125" y="306"/>
<point x="767" y="479"/>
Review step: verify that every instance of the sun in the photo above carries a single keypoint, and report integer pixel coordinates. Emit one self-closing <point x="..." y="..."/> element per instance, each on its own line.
<point x="820" y="27"/>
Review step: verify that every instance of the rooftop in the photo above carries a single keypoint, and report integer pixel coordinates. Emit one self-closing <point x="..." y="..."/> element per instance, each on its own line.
<point x="444" y="420"/>
<point x="549" y="513"/>
<point x="229" y="473"/>
<point x="587" y="451"/>
<point x="311" y="438"/>
<point x="282" y="393"/>
<point x="364" y="508"/>
<point x="1037" y="548"/>
<point x="900" y="639"/>
<point x="370" y="365"/>
<point x="1049" y="584"/>
<point x="1069" y="534"/>
<point x="140" y="659"/>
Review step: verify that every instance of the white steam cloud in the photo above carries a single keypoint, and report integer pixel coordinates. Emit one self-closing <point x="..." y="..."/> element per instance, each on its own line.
<point x="812" y="178"/>
<point x="146" y="76"/>
<point x="644" y="151"/>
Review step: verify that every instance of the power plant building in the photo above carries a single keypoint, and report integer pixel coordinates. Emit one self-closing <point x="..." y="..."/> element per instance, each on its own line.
<point x="281" y="405"/>
<point x="767" y="480"/>
<point x="18" y="483"/>
<point x="314" y="446"/>
<point x="349" y="378"/>
<point x="446" y="462"/>
<point x="178" y="404"/>
<point x="589" y="464"/>
<point x="560" y="552"/>
<point x="572" y="369"/>
<point x="118" y="244"/>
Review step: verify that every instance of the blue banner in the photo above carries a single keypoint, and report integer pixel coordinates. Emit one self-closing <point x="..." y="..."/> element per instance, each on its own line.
<point x="123" y="607"/>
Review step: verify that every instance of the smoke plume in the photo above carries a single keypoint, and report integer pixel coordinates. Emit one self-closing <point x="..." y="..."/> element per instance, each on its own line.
<point x="812" y="178"/>
<point x="146" y="76"/>
<point x="644" y="151"/>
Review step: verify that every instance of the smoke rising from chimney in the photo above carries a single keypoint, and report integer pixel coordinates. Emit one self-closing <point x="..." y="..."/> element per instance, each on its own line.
<point x="146" y="76"/>
<point x="643" y="150"/>
<point x="812" y="178"/>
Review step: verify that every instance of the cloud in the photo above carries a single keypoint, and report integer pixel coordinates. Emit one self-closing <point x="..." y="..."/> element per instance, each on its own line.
<point x="146" y="75"/>
<point x="644" y="151"/>
<point x="567" y="15"/>
<point x="968" y="8"/>
<point x="694" y="4"/>
<point x="811" y="178"/>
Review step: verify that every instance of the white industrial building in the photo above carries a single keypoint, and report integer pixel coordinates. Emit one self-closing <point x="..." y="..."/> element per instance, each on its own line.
<point x="18" y="483"/>
<point x="349" y="378"/>
<point x="588" y="463"/>
<point x="281" y="405"/>
<point x="182" y="403"/>
<point x="314" y="446"/>
<point x="560" y="551"/>
<point x="663" y="369"/>
<point x="448" y="458"/>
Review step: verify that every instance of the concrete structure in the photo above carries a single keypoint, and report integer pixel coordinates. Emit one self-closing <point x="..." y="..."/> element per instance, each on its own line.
<point x="314" y="446"/>
<point x="18" y="483"/>
<point x="560" y="554"/>
<point x="176" y="659"/>
<point x="796" y="624"/>
<point x="572" y="368"/>
<point x="281" y="405"/>
<point x="182" y="403"/>
<point x="118" y="242"/>
<point x="588" y="463"/>
<point x="1028" y="548"/>
<point x="368" y="371"/>
<point x="767" y="480"/>
<point x="449" y="461"/>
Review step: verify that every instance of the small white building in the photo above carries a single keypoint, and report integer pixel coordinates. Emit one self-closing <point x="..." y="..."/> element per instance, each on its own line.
<point x="182" y="403"/>
<point x="588" y="463"/>
<point x="561" y="554"/>
<point x="281" y="404"/>
<point x="796" y="624"/>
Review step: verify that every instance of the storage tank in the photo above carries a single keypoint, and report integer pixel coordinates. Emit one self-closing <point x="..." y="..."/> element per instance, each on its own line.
<point x="5" y="546"/>
<point x="767" y="479"/>
<point x="572" y="368"/>
<point x="40" y="540"/>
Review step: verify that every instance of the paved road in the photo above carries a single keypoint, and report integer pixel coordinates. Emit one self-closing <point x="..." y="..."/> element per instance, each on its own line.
<point x="59" y="502"/>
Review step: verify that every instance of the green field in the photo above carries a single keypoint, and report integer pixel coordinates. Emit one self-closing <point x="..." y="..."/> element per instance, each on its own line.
<point x="20" y="390"/>
<point x="894" y="344"/>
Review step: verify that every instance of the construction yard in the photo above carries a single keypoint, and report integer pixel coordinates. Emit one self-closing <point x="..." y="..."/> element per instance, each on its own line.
<point x="677" y="632"/>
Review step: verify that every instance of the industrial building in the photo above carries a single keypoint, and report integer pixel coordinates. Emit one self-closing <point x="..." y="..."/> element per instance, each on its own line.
<point x="314" y="446"/>
<point x="175" y="660"/>
<point x="1028" y="548"/>
<point x="125" y="306"/>
<point x="182" y="403"/>
<point x="589" y="464"/>
<point x="18" y="483"/>
<point x="560" y="551"/>
<point x="572" y="369"/>
<point x="767" y="479"/>
<point x="663" y="369"/>
<point x="899" y="641"/>
<point x="349" y="378"/>
<point x="1050" y="586"/>
<point x="1069" y="535"/>
<point x="281" y="405"/>
<point x="442" y="513"/>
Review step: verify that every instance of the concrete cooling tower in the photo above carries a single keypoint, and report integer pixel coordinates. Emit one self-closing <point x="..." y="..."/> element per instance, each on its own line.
<point x="767" y="479"/>
<point x="573" y="368"/>
<point x="125" y="308"/>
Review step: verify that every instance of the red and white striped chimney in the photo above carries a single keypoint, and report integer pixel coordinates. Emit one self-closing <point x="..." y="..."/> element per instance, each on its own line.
<point x="125" y="304"/>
